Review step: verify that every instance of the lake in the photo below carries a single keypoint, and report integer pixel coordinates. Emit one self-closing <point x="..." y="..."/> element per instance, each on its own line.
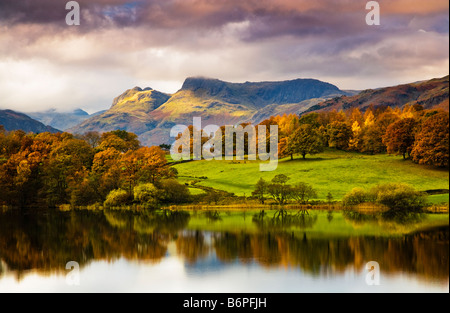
<point x="205" y="251"/>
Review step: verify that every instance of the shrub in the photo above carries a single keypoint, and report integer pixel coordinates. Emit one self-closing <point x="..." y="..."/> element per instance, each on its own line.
<point x="173" y="192"/>
<point x="117" y="197"/>
<point x="355" y="197"/>
<point x="146" y="194"/>
<point x="399" y="197"/>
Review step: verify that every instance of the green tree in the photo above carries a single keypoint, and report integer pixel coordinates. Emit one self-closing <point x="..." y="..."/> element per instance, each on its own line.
<point x="312" y="119"/>
<point x="303" y="192"/>
<point x="339" y="135"/>
<point x="260" y="190"/>
<point x="355" y="197"/>
<point x="330" y="198"/>
<point x="306" y="140"/>
<point x="117" y="197"/>
<point x="173" y="192"/>
<point x="279" y="190"/>
<point x="147" y="194"/>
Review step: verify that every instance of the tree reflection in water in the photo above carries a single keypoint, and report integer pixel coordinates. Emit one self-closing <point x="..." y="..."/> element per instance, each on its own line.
<point x="283" y="220"/>
<point x="45" y="242"/>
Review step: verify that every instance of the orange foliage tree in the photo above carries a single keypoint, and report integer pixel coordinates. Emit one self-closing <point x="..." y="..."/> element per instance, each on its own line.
<point x="400" y="136"/>
<point x="432" y="142"/>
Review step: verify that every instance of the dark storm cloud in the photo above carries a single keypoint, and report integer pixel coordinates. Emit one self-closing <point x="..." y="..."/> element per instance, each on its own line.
<point x="54" y="11"/>
<point x="267" y="18"/>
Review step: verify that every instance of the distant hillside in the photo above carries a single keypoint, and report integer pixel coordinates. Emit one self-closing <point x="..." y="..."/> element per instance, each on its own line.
<point x="17" y="121"/>
<point x="430" y="94"/>
<point x="151" y="114"/>
<point x="60" y="120"/>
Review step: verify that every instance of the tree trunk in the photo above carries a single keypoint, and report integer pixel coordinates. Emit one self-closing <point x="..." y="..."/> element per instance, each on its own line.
<point x="292" y="157"/>
<point x="304" y="156"/>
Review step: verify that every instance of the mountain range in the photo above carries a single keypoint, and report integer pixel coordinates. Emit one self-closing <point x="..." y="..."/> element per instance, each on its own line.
<point x="151" y="114"/>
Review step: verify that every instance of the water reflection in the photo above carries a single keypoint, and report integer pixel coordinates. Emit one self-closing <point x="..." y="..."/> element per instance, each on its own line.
<point x="283" y="220"/>
<point x="45" y="242"/>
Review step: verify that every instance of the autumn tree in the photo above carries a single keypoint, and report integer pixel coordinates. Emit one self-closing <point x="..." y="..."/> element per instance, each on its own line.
<point x="92" y="138"/>
<point x="21" y="170"/>
<point x="143" y="165"/>
<point x="400" y="136"/>
<point x="67" y="167"/>
<point x="2" y="138"/>
<point x="272" y="121"/>
<point x="306" y="140"/>
<point x="335" y="116"/>
<point x="105" y="173"/>
<point x="287" y="124"/>
<point x="432" y="142"/>
<point x="285" y="149"/>
<point x="385" y="119"/>
<point x="120" y="140"/>
<point x="356" y="116"/>
<point x="12" y="143"/>
<point x="339" y="135"/>
<point x="371" y="135"/>
<point x="312" y="119"/>
<point x="372" y="140"/>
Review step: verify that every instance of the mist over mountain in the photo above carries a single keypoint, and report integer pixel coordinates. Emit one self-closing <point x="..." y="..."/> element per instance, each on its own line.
<point x="61" y="120"/>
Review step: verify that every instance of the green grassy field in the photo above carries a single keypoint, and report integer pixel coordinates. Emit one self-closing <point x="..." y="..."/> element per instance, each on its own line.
<point x="438" y="199"/>
<point x="332" y="171"/>
<point x="196" y="191"/>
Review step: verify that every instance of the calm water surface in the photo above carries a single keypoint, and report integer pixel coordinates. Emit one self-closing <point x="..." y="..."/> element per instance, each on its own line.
<point x="219" y="252"/>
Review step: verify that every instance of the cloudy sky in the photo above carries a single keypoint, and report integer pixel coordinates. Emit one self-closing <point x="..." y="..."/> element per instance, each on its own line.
<point x="44" y="63"/>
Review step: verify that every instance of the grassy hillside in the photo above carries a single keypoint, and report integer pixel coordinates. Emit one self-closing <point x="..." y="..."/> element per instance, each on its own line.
<point x="332" y="171"/>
